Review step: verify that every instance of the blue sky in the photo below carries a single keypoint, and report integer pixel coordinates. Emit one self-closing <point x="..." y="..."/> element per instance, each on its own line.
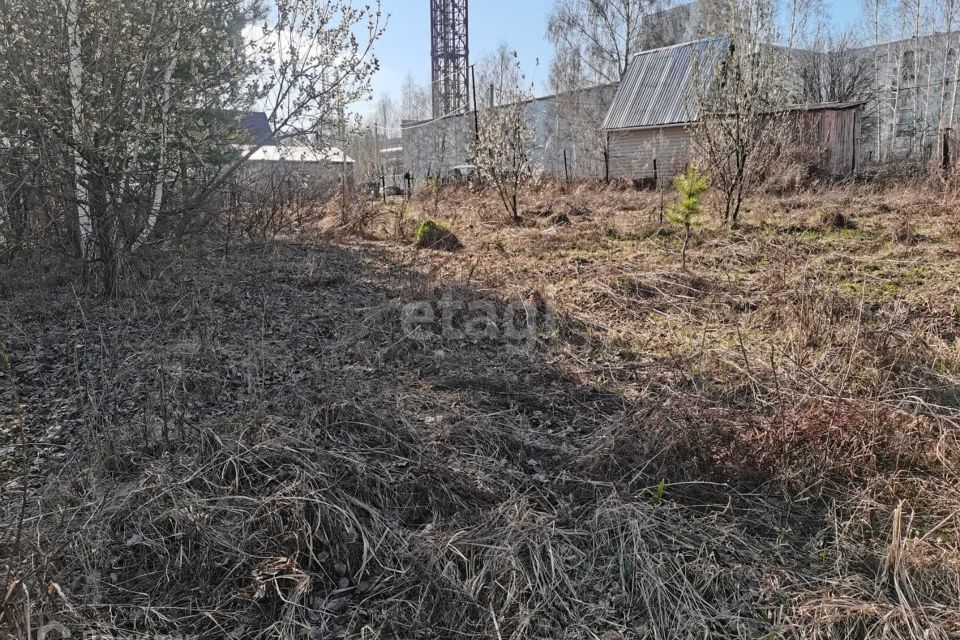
<point x="405" y="47"/>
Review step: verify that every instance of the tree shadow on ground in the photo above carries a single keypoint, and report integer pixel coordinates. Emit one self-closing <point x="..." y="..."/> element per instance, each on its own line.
<point x="268" y="445"/>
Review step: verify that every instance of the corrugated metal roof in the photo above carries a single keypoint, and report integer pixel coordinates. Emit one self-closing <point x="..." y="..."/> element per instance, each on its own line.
<point x="656" y="90"/>
<point x="822" y="106"/>
<point x="294" y="153"/>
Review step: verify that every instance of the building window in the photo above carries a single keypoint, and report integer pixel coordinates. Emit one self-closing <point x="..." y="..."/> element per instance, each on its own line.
<point x="908" y="66"/>
<point x="905" y="123"/>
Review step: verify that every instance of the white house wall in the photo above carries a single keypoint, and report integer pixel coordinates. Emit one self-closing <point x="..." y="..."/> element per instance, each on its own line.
<point x="633" y="152"/>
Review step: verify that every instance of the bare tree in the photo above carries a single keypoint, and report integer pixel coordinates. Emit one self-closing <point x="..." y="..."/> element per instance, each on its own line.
<point x="877" y="26"/>
<point x="363" y="146"/>
<point x="802" y="19"/>
<point x="503" y="153"/>
<point x="594" y="41"/>
<point x="914" y="16"/>
<point x="574" y="122"/>
<point x="366" y="143"/>
<point x="415" y="100"/>
<point x="947" y="13"/>
<point x="737" y="98"/>
<point x="386" y="117"/>
<point x="497" y="76"/>
<point x="836" y="69"/>
<point x="602" y="36"/>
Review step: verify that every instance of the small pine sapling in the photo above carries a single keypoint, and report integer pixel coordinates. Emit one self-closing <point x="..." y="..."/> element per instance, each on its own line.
<point x="686" y="209"/>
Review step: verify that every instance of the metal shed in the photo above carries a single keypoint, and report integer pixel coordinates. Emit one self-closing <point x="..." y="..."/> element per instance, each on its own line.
<point x="834" y="128"/>
<point x="650" y="122"/>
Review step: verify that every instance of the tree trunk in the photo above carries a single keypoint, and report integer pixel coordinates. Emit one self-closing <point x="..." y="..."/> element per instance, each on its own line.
<point x="162" y="164"/>
<point x="686" y="242"/>
<point x="878" y="98"/>
<point x="85" y="243"/>
<point x="103" y="230"/>
<point x="953" y="97"/>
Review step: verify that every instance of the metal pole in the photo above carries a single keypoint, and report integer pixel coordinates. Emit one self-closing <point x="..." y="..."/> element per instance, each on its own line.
<point x="946" y="150"/>
<point x="343" y="162"/>
<point x="566" y="169"/>
<point x="606" y="157"/>
<point x="376" y="145"/>
<point x="656" y="182"/>
<point x="476" y="108"/>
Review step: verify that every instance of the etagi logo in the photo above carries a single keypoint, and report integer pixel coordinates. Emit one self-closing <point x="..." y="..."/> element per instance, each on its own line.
<point x="54" y="630"/>
<point x="516" y="325"/>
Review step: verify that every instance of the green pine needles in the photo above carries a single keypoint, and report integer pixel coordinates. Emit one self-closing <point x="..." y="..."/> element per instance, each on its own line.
<point x="691" y="186"/>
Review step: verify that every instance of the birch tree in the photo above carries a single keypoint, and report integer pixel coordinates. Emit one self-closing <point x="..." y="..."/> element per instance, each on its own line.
<point x="947" y="14"/>
<point x="124" y="100"/>
<point x="497" y="76"/>
<point x="604" y="35"/>
<point x="876" y="16"/>
<point x="575" y="119"/>
<point x="415" y="100"/>
<point x="802" y="18"/>
<point x="913" y="14"/>
<point x="594" y="42"/>
<point x="75" y="84"/>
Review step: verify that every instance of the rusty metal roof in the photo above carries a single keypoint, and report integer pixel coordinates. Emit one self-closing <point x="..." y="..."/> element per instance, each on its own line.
<point x="657" y="88"/>
<point x="823" y="106"/>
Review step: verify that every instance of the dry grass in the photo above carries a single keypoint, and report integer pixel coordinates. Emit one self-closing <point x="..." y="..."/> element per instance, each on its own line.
<point x="765" y="446"/>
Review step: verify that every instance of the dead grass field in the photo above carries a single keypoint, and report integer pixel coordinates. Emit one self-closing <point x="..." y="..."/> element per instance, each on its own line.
<point x="254" y="445"/>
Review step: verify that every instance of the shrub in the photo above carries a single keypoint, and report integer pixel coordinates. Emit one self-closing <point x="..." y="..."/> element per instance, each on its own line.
<point x="435" y="235"/>
<point x="903" y="232"/>
<point x="834" y="220"/>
